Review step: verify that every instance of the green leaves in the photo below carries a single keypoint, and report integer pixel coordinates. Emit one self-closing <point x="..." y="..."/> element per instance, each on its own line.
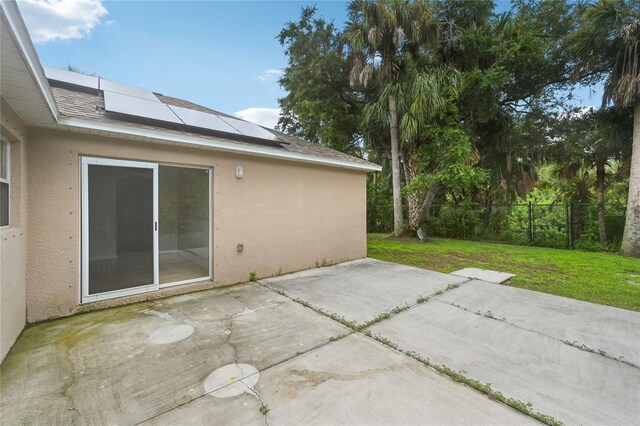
<point x="320" y="105"/>
<point x="446" y="157"/>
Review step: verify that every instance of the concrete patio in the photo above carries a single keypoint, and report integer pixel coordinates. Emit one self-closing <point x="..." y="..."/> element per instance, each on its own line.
<point x="251" y="354"/>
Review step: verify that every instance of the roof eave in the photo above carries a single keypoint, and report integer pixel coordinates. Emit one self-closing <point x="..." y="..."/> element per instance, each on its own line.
<point x="21" y="34"/>
<point x="218" y="144"/>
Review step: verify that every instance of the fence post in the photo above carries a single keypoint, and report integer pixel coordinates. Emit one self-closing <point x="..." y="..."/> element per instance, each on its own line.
<point x="530" y="223"/>
<point x="567" y="224"/>
<point x="571" y="212"/>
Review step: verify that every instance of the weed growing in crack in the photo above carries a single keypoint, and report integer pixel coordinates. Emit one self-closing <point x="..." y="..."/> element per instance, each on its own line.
<point x="385" y="341"/>
<point x="253" y="277"/>
<point x="352" y="325"/>
<point x="399" y="309"/>
<point x="381" y="317"/>
<point x="303" y="303"/>
<point x="421" y="300"/>
<point x="338" y="337"/>
<point x="280" y="292"/>
<point x="264" y="409"/>
<point x="583" y="347"/>
<point x="449" y="287"/>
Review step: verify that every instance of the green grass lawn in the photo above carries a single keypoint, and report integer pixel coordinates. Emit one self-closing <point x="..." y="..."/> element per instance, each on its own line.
<point x="605" y="278"/>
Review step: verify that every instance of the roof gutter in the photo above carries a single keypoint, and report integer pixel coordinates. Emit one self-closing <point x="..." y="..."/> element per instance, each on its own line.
<point x="215" y="144"/>
<point x="21" y="34"/>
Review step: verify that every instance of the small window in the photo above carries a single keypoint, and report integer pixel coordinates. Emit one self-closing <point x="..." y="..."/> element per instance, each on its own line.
<point x="5" y="166"/>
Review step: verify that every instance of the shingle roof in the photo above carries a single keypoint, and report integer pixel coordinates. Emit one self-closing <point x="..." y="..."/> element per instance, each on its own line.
<point x="80" y="104"/>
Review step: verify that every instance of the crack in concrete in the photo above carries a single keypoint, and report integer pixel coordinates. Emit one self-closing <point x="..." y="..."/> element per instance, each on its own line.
<point x="575" y="343"/>
<point x="252" y="391"/>
<point x="228" y="331"/>
<point x="255" y="393"/>
<point x="66" y="387"/>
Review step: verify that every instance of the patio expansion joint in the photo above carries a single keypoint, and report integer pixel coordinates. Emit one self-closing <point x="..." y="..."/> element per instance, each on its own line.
<point x="574" y="343"/>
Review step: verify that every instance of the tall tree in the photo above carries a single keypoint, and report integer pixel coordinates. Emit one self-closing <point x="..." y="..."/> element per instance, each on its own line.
<point x="435" y="151"/>
<point x="608" y="42"/>
<point x="514" y="64"/>
<point x="379" y="34"/>
<point x="320" y="105"/>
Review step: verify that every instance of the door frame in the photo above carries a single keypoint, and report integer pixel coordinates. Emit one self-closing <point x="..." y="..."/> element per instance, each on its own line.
<point x="85" y="295"/>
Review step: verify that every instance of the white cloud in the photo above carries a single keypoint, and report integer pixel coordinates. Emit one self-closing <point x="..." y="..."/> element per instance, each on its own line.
<point x="49" y="20"/>
<point x="267" y="117"/>
<point x="272" y="74"/>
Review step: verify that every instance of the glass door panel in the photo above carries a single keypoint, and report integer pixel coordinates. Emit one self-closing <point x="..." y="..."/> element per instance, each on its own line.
<point x="184" y="215"/>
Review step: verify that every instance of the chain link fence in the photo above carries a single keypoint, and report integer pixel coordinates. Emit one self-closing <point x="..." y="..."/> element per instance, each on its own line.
<point x="544" y="225"/>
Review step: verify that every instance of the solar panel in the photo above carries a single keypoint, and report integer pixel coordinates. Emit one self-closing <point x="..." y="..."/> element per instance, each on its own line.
<point x="125" y="89"/>
<point x="70" y="77"/>
<point x="203" y="120"/>
<point x="250" y="129"/>
<point x="130" y="105"/>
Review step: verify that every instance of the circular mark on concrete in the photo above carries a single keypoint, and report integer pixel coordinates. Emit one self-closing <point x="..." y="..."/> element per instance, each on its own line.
<point x="225" y="381"/>
<point x="170" y="333"/>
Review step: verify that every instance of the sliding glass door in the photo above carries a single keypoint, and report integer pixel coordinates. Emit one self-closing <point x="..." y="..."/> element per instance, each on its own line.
<point x="119" y="227"/>
<point x="144" y="226"/>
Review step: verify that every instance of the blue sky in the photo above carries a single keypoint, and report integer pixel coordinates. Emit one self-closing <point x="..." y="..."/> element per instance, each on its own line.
<point x="223" y="55"/>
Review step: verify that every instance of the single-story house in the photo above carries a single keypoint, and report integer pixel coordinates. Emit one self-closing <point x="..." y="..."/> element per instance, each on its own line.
<point x="112" y="194"/>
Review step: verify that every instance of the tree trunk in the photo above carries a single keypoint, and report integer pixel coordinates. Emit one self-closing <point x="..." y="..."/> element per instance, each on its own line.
<point x="395" y="167"/>
<point x="631" y="237"/>
<point x="425" y="208"/>
<point x="602" y="230"/>
<point x="410" y="168"/>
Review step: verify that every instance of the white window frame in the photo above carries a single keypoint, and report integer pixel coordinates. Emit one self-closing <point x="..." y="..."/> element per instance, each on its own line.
<point x="86" y="296"/>
<point x="7" y="180"/>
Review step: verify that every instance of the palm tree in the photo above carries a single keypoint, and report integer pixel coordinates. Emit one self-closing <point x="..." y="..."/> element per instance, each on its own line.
<point x="608" y="42"/>
<point x="379" y="34"/>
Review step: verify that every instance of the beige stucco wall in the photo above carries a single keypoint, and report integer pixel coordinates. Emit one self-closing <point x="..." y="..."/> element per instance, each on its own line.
<point x="289" y="216"/>
<point x="13" y="239"/>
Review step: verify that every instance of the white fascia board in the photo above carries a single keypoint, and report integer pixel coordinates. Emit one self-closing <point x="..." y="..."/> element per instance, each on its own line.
<point x="21" y="34"/>
<point x="217" y="144"/>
